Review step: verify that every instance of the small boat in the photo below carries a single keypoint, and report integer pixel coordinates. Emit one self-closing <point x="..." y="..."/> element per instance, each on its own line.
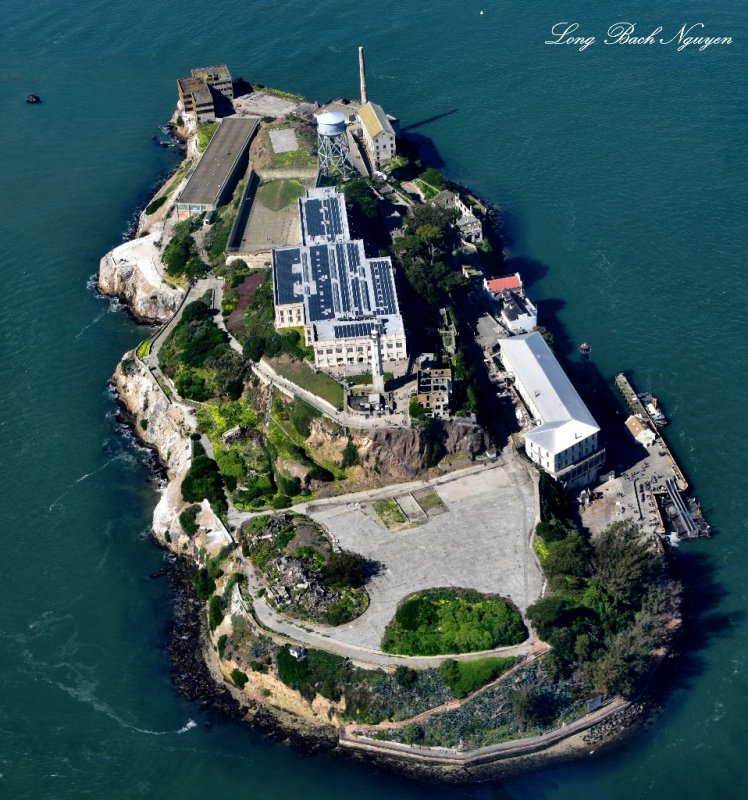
<point x="653" y="409"/>
<point x="585" y="349"/>
<point x="32" y="99"/>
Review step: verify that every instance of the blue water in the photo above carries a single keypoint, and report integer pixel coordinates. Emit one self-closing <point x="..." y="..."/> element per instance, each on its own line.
<point x="619" y="170"/>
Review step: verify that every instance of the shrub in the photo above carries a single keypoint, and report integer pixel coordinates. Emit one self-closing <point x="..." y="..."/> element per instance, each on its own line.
<point x="203" y="481"/>
<point x="281" y="501"/>
<point x="154" y="205"/>
<point x="239" y="678"/>
<point x="216" y="611"/>
<point x="144" y="424"/>
<point x="204" y="584"/>
<point x="350" y="455"/>
<point x="345" y="570"/>
<point x="187" y="519"/>
<point x="221" y="644"/>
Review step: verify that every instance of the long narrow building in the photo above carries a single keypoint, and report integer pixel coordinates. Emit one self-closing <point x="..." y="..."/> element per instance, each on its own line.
<point x="564" y="439"/>
<point x="220" y="168"/>
<point x="327" y="285"/>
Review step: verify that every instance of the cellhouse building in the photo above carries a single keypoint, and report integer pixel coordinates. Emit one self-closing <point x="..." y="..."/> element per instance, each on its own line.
<point x="564" y="436"/>
<point x="346" y="302"/>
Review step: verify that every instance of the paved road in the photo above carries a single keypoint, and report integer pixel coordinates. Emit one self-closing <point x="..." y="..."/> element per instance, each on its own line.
<point x="359" y="639"/>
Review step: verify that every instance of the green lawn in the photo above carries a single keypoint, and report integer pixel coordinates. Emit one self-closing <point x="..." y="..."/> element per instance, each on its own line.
<point x="318" y="383"/>
<point x="464" y="677"/>
<point x="276" y="195"/>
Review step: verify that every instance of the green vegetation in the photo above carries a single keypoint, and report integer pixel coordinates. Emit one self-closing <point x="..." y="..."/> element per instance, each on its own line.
<point x="294" y="158"/>
<point x="205" y="133"/>
<point x="262" y="338"/>
<point x="318" y="383"/>
<point x="187" y="519"/>
<point x="431" y="182"/>
<point x="197" y="356"/>
<point x="612" y="600"/>
<point x="429" y="500"/>
<point x="216" y="611"/>
<point x="464" y="677"/>
<point x="307" y="553"/>
<point x="144" y="349"/>
<point x="425" y="253"/>
<point x="221" y="645"/>
<point x="390" y="513"/>
<point x="154" y="205"/>
<point x="360" y="196"/>
<point x="218" y="237"/>
<point x="177" y="178"/>
<point x="203" y="481"/>
<point x="301" y="414"/>
<point x="317" y="673"/>
<point x="442" y="621"/>
<point x="180" y="255"/>
<point x="276" y="195"/>
<point x="365" y="379"/>
<point x="144" y="424"/>
<point x="239" y="678"/>
<point x="350" y="455"/>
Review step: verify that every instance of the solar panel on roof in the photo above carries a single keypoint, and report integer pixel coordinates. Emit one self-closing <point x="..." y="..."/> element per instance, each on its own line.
<point x="283" y="275"/>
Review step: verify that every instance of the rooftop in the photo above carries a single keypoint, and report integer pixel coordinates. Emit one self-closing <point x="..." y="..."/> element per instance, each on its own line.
<point x="345" y="294"/>
<point x="229" y="142"/>
<point x="374" y="119"/>
<point x="511" y="282"/>
<point x="215" y="72"/>
<point x="323" y="216"/>
<point x="564" y="417"/>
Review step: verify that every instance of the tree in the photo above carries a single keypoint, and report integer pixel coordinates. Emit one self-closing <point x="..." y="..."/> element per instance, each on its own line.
<point x="567" y="565"/>
<point x="623" y="564"/>
<point x="345" y="569"/>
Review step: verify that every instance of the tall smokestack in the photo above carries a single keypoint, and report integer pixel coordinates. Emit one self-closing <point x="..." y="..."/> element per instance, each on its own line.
<point x="362" y="74"/>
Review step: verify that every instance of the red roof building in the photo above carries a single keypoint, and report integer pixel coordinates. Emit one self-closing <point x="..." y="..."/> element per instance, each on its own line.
<point x="512" y="283"/>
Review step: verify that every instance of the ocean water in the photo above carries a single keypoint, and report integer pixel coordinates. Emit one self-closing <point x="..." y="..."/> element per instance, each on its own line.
<point x="620" y="170"/>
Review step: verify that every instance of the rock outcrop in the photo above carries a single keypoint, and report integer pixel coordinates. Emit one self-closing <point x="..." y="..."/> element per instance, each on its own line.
<point x="133" y="273"/>
<point x="163" y="425"/>
<point x="402" y="453"/>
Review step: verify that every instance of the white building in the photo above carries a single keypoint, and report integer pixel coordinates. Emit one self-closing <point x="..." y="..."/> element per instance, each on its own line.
<point x="564" y="436"/>
<point x="378" y="133"/>
<point x="339" y="296"/>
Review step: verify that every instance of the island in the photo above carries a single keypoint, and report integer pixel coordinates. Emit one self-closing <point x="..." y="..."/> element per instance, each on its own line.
<point x="388" y="503"/>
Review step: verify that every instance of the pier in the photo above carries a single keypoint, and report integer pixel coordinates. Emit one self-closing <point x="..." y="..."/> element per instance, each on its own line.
<point x="652" y="492"/>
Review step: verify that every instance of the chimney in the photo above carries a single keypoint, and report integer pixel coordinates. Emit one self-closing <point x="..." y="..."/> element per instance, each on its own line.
<point x="362" y="74"/>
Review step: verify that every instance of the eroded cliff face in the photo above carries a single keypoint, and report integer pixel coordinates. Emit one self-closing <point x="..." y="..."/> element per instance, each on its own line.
<point x="133" y="273"/>
<point x="164" y="425"/>
<point x="400" y="454"/>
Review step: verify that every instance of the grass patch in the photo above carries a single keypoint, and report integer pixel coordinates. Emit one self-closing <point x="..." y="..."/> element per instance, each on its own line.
<point x="365" y="379"/>
<point x="276" y="195"/>
<point x="205" y="133"/>
<point x="144" y="349"/>
<point x="177" y="178"/>
<point x="429" y="501"/>
<point x="319" y="672"/>
<point x="464" y="677"/>
<point x="441" y="621"/>
<point x="317" y="383"/>
<point x="294" y="158"/>
<point x="390" y="513"/>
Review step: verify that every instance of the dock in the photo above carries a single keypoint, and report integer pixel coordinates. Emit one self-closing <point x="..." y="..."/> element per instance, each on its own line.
<point x="654" y="491"/>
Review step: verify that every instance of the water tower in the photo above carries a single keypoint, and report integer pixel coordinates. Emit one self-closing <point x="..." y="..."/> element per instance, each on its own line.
<point x="332" y="146"/>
